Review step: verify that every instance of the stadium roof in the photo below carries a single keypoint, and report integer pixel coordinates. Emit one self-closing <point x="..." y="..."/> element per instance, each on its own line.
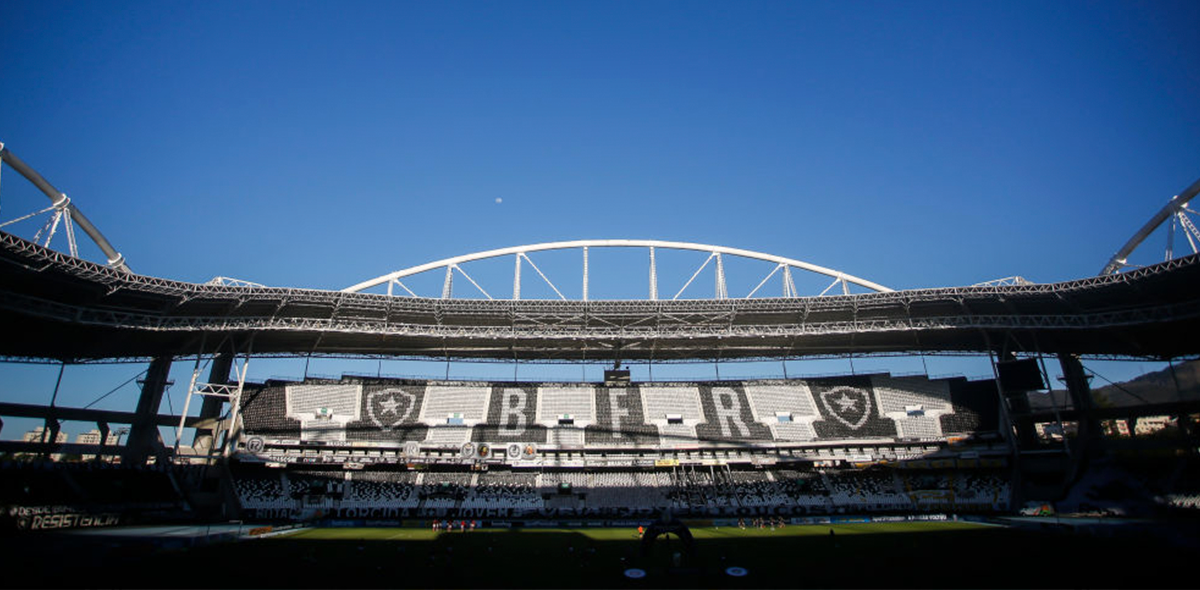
<point x="57" y="306"/>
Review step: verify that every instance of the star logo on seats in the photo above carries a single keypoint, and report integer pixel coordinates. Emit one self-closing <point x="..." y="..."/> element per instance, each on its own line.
<point x="848" y="405"/>
<point x="389" y="405"/>
<point x="844" y="403"/>
<point x="396" y="405"/>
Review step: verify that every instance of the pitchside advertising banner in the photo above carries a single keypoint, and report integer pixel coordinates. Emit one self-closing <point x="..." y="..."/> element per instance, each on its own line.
<point x="40" y="518"/>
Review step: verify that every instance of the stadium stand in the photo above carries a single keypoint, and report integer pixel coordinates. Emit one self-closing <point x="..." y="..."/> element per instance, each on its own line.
<point x="38" y="494"/>
<point x="262" y="489"/>
<point x="915" y="404"/>
<point x="663" y="416"/>
<point x="976" y="407"/>
<point x="29" y="483"/>
<point x="796" y="446"/>
<point x="728" y="416"/>
<point x="806" y="488"/>
<point x="620" y="420"/>
<point x="674" y="410"/>
<point x="323" y="410"/>
<point x="980" y="491"/>
<point x="369" y="489"/>
<point x="390" y="412"/>
<point x="848" y="410"/>
<point x="870" y="490"/>
<point x="707" y="491"/>
<point x="786" y="408"/>
<point x="440" y="491"/>
<point x="264" y="412"/>
<point x="513" y="491"/>
<point x="615" y="490"/>
<point x="566" y="412"/>
<point x="511" y="417"/>
<point x="451" y="410"/>
<point x="1181" y="489"/>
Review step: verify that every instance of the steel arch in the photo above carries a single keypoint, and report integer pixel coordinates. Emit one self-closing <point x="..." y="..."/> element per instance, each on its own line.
<point x="1175" y="211"/>
<point x="715" y="252"/>
<point x="65" y="208"/>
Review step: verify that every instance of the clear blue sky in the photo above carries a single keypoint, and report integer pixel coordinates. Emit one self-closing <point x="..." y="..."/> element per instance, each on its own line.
<point x="318" y="144"/>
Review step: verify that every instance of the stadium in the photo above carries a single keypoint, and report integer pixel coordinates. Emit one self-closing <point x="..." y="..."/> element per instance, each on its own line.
<point x="611" y="481"/>
<point x="706" y="294"/>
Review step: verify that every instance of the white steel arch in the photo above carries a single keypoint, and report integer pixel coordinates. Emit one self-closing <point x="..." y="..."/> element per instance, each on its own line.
<point x="715" y="255"/>
<point x="1176" y="214"/>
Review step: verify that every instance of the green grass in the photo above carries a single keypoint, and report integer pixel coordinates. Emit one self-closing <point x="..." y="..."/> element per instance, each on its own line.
<point x="939" y="555"/>
<point x="626" y="534"/>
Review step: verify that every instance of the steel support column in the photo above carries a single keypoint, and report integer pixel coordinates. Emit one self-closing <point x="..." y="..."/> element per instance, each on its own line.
<point x="143" y="432"/>
<point x="1081" y="396"/>
<point x="211" y="408"/>
<point x="1087" y="436"/>
<point x="104" y="430"/>
<point x="50" y="430"/>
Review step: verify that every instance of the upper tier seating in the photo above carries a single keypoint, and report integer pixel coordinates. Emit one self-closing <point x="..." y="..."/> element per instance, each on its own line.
<point x="675" y="411"/>
<point x="564" y="416"/>
<point x="787" y="409"/>
<point x="566" y="412"/>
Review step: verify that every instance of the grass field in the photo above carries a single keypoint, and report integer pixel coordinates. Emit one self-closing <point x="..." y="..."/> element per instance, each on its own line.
<point x="912" y="555"/>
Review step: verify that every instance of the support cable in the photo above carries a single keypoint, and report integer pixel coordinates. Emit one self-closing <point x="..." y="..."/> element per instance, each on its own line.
<point x="767" y="278"/>
<point x="920" y="351"/>
<point x="187" y="402"/>
<point x="114" y="390"/>
<point x="540" y="273"/>
<point x="170" y="404"/>
<point x="831" y="285"/>
<point x="24" y="217"/>
<point x="694" y="275"/>
<point x="464" y="273"/>
<point x="1118" y="386"/>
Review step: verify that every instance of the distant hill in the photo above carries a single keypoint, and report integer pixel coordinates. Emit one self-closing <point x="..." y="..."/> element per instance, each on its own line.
<point x="1152" y="388"/>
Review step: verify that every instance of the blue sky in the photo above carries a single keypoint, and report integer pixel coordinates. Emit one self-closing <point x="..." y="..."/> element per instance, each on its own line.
<point x="318" y="144"/>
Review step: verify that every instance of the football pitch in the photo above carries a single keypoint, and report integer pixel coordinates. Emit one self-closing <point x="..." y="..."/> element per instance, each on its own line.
<point x="910" y="555"/>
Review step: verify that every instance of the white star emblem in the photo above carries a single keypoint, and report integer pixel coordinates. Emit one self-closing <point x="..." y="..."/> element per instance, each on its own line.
<point x="389" y="401"/>
<point x="845" y="402"/>
<point x="841" y="401"/>
<point x="389" y="406"/>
